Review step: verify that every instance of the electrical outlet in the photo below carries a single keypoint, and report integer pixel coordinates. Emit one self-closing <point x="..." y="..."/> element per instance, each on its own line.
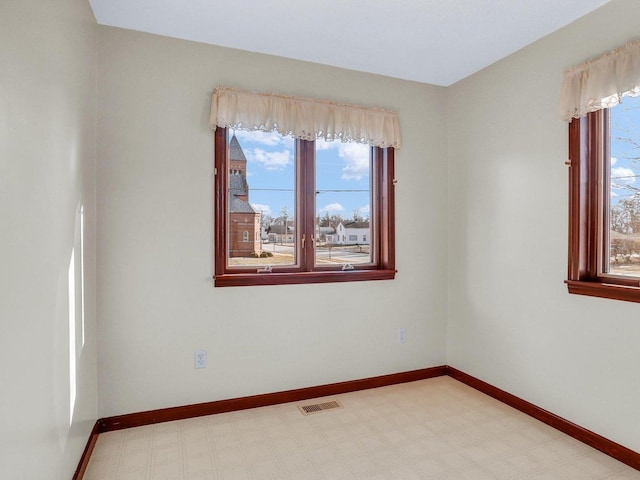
<point x="402" y="335"/>
<point x="200" y="359"/>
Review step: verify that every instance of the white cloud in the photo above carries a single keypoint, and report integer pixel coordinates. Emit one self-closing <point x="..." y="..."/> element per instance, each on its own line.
<point x="356" y="158"/>
<point x="365" y="211"/>
<point x="268" y="139"/>
<point x="332" y="207"/>
<point x="269" y="160"/>
<point x="621" y="176"/>
<point x="613" y="160"/>
<point x="264" y="209"/>
<point x="354" y="155"/>
<point x="322" y="144"/>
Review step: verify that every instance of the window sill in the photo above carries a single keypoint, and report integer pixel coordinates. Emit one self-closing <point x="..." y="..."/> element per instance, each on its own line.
<point x="613" y="291"/>
<point x="247" y="279"/>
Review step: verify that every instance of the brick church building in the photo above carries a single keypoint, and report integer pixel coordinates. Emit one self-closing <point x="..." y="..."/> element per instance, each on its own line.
<point x="244" y="220"/>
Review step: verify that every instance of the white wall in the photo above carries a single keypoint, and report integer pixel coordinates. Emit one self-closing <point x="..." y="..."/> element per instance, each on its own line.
<point x="155" y="207"/>
<point x="47" y="170"/>
<point x="511" y="321"/>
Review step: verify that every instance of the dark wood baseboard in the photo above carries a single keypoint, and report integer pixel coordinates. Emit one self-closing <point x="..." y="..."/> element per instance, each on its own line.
<point x="86" y="455"/>
<point x="613" y="449"/>
<point x="234" y="404"/>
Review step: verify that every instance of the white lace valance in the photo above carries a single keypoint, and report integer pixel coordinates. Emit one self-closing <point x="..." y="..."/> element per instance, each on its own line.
<point x="304" y="118"/>
<point x="601" y="82"/>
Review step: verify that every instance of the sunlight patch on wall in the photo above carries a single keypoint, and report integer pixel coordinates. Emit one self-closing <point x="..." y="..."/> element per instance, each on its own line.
<point x="76" y="308"/>
<point x="82" y="316"/>
<point x="72" y="335"/>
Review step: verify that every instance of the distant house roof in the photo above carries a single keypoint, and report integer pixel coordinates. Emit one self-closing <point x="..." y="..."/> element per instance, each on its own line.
<point x="235" y="150"/>
<point x="357" y="224"/>
<point x="279" y="229"/>
<point x="326" y="230"/>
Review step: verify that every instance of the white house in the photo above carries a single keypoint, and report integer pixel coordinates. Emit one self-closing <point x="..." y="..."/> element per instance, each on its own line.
<point x="326" y="235"/>
<point x="276" y="234"/>
<point x="352" y="233"/>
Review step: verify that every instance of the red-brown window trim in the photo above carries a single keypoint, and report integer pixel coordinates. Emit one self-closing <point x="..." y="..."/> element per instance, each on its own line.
<point x="384" y="215"/>
<point x="588" y="148"/>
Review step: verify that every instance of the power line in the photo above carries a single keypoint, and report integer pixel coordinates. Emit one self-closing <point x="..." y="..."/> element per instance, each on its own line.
<point x="292" y="190"/>
<point x="272" y="190"/>
<point x="326" y="191"/>
<point x="626" y="176"/>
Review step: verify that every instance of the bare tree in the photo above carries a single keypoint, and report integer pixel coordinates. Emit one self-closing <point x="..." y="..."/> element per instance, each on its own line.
<point x="624" y="215"/>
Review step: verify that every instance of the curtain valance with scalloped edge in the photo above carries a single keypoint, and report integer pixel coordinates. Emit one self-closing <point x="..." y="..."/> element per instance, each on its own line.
<point x="304" y="118"/>
<point x="601" y="82"/>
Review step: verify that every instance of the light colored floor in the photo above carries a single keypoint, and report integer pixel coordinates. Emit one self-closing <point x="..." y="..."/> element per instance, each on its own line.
<point x="431" y="429"/>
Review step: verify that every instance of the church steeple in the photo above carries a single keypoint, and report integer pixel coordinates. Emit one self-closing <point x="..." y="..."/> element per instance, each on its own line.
<point x="238" y="186"/>
<point x="237" y="160"/>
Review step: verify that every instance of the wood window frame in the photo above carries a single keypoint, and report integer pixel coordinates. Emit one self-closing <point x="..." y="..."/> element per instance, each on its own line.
<point x="589" y="151"/>
<point x="382" y="216"/>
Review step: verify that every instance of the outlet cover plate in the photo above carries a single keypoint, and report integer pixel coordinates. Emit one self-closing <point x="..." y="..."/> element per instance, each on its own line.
<point x="402" y="335"/>
<point x="200" y="359"/>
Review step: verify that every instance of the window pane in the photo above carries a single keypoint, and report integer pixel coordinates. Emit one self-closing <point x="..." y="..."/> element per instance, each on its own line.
<point x="343" y="203"/>
<point x="261" y="204"/>
<point x="624" y="194"/>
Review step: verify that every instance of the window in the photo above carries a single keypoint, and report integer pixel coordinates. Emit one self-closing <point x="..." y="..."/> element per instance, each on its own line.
<point x="604" y="159"/>
<point x="335" y="167"/>
<point x="299" y="193"/>
<point x="604" y="255"/>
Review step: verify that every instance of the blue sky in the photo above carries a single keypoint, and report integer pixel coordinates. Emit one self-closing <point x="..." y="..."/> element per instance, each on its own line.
<point x="625" y="124"/>
<point x="271" y="174"/>
<point x="345" y="167"/>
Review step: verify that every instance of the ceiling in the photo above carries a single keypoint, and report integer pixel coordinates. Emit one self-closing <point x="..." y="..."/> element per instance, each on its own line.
<point x="431" y="41"/>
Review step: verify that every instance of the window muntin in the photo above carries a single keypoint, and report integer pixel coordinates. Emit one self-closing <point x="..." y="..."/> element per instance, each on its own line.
<point x="299" y="228"/>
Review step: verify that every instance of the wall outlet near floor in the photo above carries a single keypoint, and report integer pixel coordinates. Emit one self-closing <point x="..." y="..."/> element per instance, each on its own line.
<point x="402" y="335"/>
<point x="200" y="359"/>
